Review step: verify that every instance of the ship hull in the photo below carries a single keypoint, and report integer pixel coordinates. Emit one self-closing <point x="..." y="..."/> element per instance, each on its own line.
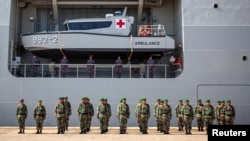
<point x="79" y="44"/>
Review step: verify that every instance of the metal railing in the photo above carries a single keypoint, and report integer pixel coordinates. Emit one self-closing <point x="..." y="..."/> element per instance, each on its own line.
<point x="99" y="71"/>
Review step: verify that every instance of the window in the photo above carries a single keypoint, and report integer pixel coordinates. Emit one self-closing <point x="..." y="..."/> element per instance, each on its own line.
<point x="89" y="25"/>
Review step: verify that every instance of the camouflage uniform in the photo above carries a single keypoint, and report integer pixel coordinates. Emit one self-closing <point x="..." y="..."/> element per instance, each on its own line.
<point x="137" y="109"/>
<point x="150" y="65"/>
<point x="208" y="114"/>
<point x="198" y="114"/>
<point x="144" y="115"/>
<point x="118" y="67"/>
<point x="91" y="67"/>
<point x="64" y="66"/>
<point x="229" y="113"/>
<point x="166" y="116"/>
<point x="67" y="105"/>
<point x="60" y="113"/>
<point x="188" y="116"/>
<point x="216" y="109"/>
<point x="35" y="64"/>
<point x="90" y="114"/>
<point x="123" y="114"/>
<point x="21" y="115"/>
<point x="221" y="113"/>
<point x="156" y="114"/>
<point x="39" y="116"/>
<point x="83" y="115"/>
<point x="179" y="115"/>
<point x="103" y="114"/>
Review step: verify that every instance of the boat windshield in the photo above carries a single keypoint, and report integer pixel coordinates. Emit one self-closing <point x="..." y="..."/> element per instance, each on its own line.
<point x="89" y="25"/>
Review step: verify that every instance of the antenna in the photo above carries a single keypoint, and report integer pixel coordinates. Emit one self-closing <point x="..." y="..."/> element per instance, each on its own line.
<point x="124" y="12"/>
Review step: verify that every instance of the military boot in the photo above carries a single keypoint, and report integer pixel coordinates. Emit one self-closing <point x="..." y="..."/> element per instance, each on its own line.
<point x="199" y="128"/>
<point x="158" y="128"/>
<point x="186" y="131"/>
<point x="179" y="128"/>
<point x="189" y="131"/>
<point x="81" y="131"/>
<point x="23" y="131"/>
<point x="20" y="131"/>
<point x="37" y="131"/>
<point x="202" y="129"/>
<point x="40" y="131"/>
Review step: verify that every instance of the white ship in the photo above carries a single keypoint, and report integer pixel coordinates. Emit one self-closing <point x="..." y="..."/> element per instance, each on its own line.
<point x="215" y="49"/>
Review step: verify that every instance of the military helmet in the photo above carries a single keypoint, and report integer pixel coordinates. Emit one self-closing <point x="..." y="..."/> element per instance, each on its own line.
<point x="22" y="100"/>
<point x="83" y="98"/>
<point x="61" y="97"/>
<point x="228" y="101"/>
<point x="222" y="101"/>
<point x="158" y="99"/>
<point x="218" y="101"/>
<point x="187" y="100"/>
<point x="102" y="99"/>
<point x="208" y="100"/>
<point x="199" y="100"/>
<point x="39" y="100"/>
<point x="180" y="100"/>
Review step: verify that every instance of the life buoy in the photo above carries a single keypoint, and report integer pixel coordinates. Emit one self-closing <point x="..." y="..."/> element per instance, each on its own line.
<point x="145" y="30"/>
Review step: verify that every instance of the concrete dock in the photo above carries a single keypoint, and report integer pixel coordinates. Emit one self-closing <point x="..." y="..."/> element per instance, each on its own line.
<point x="133" y="134"/>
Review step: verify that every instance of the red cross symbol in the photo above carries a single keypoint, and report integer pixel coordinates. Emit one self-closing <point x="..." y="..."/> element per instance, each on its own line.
<point x="120" y="23"/>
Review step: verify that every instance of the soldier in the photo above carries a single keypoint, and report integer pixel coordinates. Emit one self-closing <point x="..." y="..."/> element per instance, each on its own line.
<point x="144" y="115"/>
<point x="83" y="115"/>
<point x="34" y="65"/>
<point x="64" y="66"/>
<point x="229" y="113"/>
<point x="91" y="66"/>
<point x="118" y="67"/>
<point x="179" y="115"/>
<point x="137" y="110"/>
<point x="150" y="66"/>
<point x="188" y="116"/>
<point x="156" y="113"/>
<point x="123" y="114"/>
<point x="221" y="113"/>
<point x="90" y="114"/>
<point x="60" y="114"/>
<point x="198" y="114"/>
<point x="21" y="115"/>
<point x="166" y="116"/>
<point x="103" y="114"/>
<point x="39" y="116"/>
<point x="216" y="109"/>
<point x="208" y="114"/>
<point x="67" y="105"/>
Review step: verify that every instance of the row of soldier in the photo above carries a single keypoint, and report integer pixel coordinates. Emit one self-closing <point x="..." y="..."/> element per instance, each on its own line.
<point x="185" y="113"/>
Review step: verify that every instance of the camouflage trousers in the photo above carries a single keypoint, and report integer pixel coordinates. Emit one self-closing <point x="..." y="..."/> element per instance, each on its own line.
<point x="188" y="122"/>
<point x="39" y="122"/>
<point x="66" y="120"/>
<point x="143" y="121"/>
<point x="123" y="122"/>
<point x="21" y="121"/>
<point x="159" y="122"/>
<point x="200" y="122"/>
<point x="180" y="122"/>
<point x="89" y="119"/>
<point x="229" y="120"/>
<point x="165" y="123"/>
<point x="208" y="121"/>
<point x="83" y="121"/>
<point x="61" y="123"/>
<point x="103" y="123"/>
